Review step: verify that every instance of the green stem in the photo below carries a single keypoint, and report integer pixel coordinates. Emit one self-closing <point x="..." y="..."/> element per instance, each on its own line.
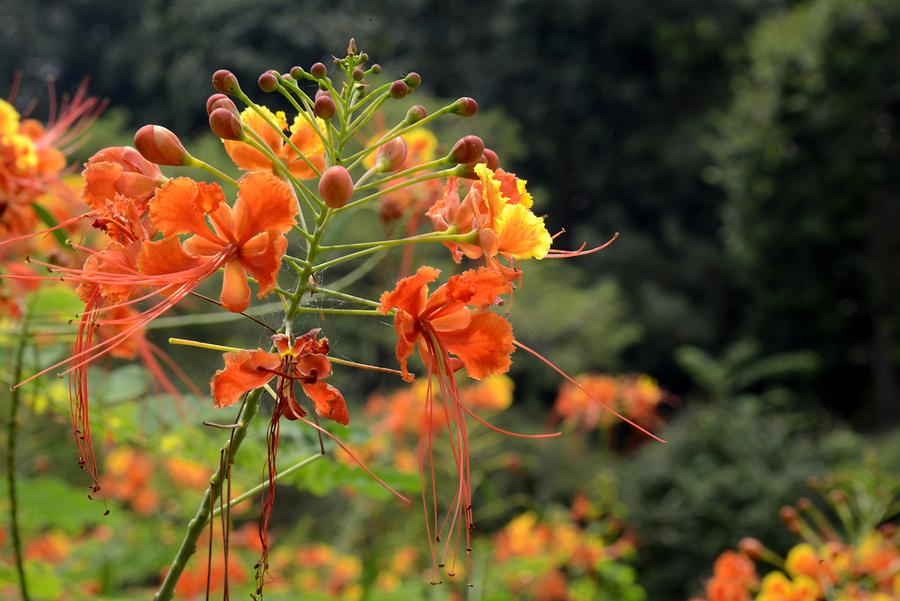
<point x="195" y="162"/>
<point x="464" y="238"/>
<point x="328" y="311"/>
<point x="12" y="431"/>
<point x="198" y="522"/>
<point x="345" y="296"/>
<point x="404" y="184"/>
<point x="265" y="484"/>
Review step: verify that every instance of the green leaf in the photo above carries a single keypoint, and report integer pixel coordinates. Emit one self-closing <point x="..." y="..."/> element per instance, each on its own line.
<point x="55" y="302"/>
<point x="50" y="222"/>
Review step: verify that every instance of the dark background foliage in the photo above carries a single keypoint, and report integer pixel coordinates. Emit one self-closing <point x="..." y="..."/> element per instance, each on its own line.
<point x="744" y="150"/>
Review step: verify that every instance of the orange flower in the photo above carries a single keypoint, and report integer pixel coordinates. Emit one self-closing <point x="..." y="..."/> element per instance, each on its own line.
<point x="247" y="239"/>
<point x="777" y="587"/>
<point x="119" y="171"/>
<point x="733" y="576"/>
<point x="302" y="135"/>
<point x="451" y="321"/>
<point x="302" y="360"/>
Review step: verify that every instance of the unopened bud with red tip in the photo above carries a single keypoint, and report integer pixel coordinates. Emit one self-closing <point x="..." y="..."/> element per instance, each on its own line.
<point x="226" y="82"/>
<point x="467" y="149"/>
<point x="161" y="146"/>
<point x="336" y="186"/>
<point x="465" y="107"/>
<point x="268" y="82"/>
<point x="324" y="107"/>
<point x="416" y="113"/>
<point x="298" y="72"/>
<point x="318" y="70"/>
<point x="399" y="90"/>
<point x="491" y="159"/>
<point x="413" y="80"/>
<point x="751" y="547"/>
<point x="226" y="124"/>
<point x="391" y="156"/>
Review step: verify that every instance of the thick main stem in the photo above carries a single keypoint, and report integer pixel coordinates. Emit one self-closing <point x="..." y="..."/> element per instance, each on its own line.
<point x="198" y="522"/>
<point x="11" y="434"/>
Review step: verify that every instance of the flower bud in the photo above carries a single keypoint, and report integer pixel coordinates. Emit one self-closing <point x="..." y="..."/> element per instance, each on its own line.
<point x="159" y="145"/>
<point x="268" y="82"/>
<point x="336" y="186"/>
<point x="358" y="74"/>
<point x="351" y="47"/>
<point x="318" y="71"/>
<point x="391" y="156"/>
<point x="376" y="69"/>
<point x="413" y="80"/>
<point x="492" y="160"/>
<point x="225" y="81"/>
<point x="399" y="90"/>
<point x="416" y="113"/>
<point x="298" y="72"/>
<point x="218" y="100"/>
<point x="465" y="107"/>
<point x="324" y="106"/>
<point x="467" y="150"/>
<point x="364" y="57"/>
<point x="226" y="124"/>
<point x="751" y="547"/>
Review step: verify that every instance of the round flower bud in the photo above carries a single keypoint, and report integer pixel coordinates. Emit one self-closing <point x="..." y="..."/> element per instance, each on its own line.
<point x="465" y="107"/>
<point x="225" y="124"/>
<point x="358" y="74"/>
<point x="492" y="160"/>
<point x="467" y="150"/>
<point x="324" y="106"/>
<point x="159" y="145"/>
<point x="376" y="69"/>
<point x="413" y="80"/>
<point x="298" y="72"/>
<point x="392" y="155"/>
<point x="212" y="100"/>
<point x="336" y="186"/>
<point x="364" y="57"/>
<point x="224" y="103"/>
<point x="318" y="70"/>
<point x="225" y="81"/>
<point x="751" y="547"/>
<point x="268" y="82"/>
<point x="399" y="89"/>
<point x="416" y="113"/>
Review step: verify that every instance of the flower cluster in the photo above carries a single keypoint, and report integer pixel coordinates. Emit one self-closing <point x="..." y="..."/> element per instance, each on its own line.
<point x="636" y="397"/>
<point x="157" y="239"/>
<point x="849" y="561"/>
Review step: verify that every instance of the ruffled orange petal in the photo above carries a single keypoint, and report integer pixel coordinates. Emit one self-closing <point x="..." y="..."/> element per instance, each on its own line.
<point x="513" y="188"/>
<point x="410" y="293"/>
<point x="165" y="256"/>
<point x="261" y="257"/>
<point x="313" y="366"/>
<point x="181" y="205"/>
<point x="484" y="346"/>
<point x="114" y="260"/>
<point x="242" y="374"/>
<point x="264" y="202"/>
<point x="235" y="295"/>
<point x="404" y="323"/>
<point x="328" y="400"/>
<point x="478" y="287"/>
<point x="100" y="183"/>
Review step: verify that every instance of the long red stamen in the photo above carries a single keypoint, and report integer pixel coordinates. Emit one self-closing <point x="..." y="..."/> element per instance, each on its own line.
<point x="579" y="252"/>
<point x="582" y="389"/>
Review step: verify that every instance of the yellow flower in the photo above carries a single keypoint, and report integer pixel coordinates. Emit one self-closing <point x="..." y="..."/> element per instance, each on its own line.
<point x="9" y="118"/>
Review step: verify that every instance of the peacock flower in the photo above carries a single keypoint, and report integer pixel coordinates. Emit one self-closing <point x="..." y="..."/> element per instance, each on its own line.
<point x="302" y="360"/>
<point x="451" y="322"/>
<point x="120" y="171"/>
<point x="302" y="136"/>
<point x="246" y="239"/>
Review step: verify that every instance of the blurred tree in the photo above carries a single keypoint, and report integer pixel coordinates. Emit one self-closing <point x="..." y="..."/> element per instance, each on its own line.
<point x="612" y="97"/>
<point x="808" y="158"/>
